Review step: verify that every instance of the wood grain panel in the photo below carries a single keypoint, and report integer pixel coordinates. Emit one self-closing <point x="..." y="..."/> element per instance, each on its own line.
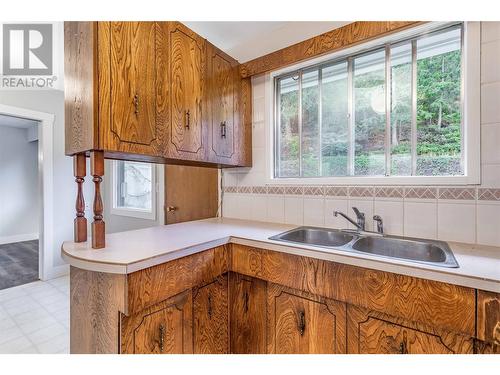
<point x="155" y="284"/>
<point x="133" y="104"/>
<point x="488" y="316"/>
<point x="247" y="296"/>
<point x="420" y="300"/>
<point x="96" y="301"/>
<point x="192" y="192"/>
<point x="375" y="333"/>
<point x="187" y="80"/>
<point x="210" y="317"/>
<point x="80" y="86"/>
<point x="165" y="328"/>
<point x="331" y="41"/>
<point x="244" y="135"/>
<point x="302" y="323"/>
<point x="223" y="96"/>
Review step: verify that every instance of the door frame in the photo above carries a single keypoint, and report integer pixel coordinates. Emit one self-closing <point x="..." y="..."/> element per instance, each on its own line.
<point x="46" y="269"/>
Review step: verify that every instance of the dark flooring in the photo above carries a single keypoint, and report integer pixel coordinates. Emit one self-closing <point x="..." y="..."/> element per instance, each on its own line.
<point x="18" y="263"/>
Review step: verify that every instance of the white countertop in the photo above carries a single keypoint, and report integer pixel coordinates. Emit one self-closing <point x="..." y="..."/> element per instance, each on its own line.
<point x="131" y="251"/>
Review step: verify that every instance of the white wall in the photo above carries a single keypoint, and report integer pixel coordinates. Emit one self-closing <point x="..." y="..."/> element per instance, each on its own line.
<point x="468" y="214"/>
<point x="19" y="194"/>
<point x="119" y="223"/>
<point x="63" y="181"/>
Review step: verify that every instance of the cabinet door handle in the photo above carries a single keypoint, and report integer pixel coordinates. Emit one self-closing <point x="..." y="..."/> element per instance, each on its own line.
<point x="210" y="306"/>
<point x="245" y="303"/>
<point x="302" y="322"/>
<point x="188" y="119"/>
<point x="223" y="129"/>
<point x="162" y="337"/>
<point x="403" y="346"/>
<point x="171" y="208"/>
<point x="136" y="104"/>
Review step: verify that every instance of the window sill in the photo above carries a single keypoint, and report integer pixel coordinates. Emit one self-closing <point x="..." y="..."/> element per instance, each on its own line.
<point x="379" y="180"/>
<point x="130" y="212"/>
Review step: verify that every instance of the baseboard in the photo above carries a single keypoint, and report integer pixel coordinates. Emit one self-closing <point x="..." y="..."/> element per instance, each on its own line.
<point x="18" y="238"/>
<point x="56" y="271"/>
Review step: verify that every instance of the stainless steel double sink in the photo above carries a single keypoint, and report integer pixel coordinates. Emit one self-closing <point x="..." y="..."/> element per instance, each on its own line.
<point x="436" y="253"/>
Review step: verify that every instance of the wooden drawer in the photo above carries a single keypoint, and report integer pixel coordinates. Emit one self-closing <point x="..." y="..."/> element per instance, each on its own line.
<point x="375" y="333"/>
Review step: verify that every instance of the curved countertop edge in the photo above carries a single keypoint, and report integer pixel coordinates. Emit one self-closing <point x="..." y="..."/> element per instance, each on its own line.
<point x="440" y="274"/>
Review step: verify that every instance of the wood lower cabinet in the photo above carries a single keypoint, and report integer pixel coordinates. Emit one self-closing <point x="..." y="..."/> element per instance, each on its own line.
<point x="163" y="328"/>
<point x="376" y="333"/>
<point x="301" y="323"/>
<point x="247" y="296"/>
<point x="210" y="317"/>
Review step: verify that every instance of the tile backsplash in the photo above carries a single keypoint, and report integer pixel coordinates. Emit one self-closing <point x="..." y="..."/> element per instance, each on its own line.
<point x="468" y="214"/>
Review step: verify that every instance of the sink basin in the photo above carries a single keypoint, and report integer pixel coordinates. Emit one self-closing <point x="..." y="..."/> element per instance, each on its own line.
<point x="415" y="250"/>
<point x="315" y="236"/>
<point x="436" y="253"/>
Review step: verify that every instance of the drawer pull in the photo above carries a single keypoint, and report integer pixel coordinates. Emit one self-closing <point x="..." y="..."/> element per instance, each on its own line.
<point x="136" y="104"/>
<point x="188" y="119"/>
<point x="403" y="347"/>
<point x="302" y="322"/>
<point x="246" y="301"/>
<point x="223" y="129"/>
<point x="209" y="307"/>
<point x="162" y="337"/>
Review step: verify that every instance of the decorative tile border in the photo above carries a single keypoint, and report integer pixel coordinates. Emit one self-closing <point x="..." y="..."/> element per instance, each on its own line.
<point x="421" y="192"/>
<point x="336" y="191"/>
<point x="394" y="192"/>
<point x="485" y="194"/>
<point x="457" y="193"/>
<point x="389" y="192"/>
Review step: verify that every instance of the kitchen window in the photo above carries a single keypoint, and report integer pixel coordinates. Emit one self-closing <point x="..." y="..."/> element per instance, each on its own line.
<point x="393" y="111"/>
<point x="134" y="189"/>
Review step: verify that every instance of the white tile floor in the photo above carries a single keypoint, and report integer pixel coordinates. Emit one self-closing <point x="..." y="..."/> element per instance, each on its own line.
<point x="34" y="318"/>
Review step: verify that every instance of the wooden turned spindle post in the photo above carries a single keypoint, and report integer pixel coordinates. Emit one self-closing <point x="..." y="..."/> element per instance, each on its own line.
<point x="98" y="226"/>
<point x="80" y="223"/>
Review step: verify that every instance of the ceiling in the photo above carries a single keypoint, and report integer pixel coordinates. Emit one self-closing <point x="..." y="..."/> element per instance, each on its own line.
<point x="247" y="40"/>
<point x="16" y="122"/>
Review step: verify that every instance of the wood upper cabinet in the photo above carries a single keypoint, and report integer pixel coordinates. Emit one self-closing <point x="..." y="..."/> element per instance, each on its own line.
<point x="247" y="297"/>
<point x="210" y="317"/>
<point x="139" y="91"/>
<point x="132" y="79"/>
<point x="166" y="327"/>
<point x="301" y="323"/>
<point x="375" y="333"/>
<point x="223" y="81"/>
<point x="187" y="89"/>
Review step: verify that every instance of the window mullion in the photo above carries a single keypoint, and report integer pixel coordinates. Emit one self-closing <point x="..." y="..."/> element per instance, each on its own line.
<point x="300" y="124"/>
<point x="388" y="110"/>
<point x="350" y="101"/>
<point x="413" y="107"/>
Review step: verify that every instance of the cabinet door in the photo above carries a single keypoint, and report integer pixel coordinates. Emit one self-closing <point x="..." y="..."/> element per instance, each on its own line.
<point x="163" y="328"/>
<point x="187" y="79"/>
<point x="301" y="323"/>
<point x="210" y="317"/>
<point x="132" y="88"/>
<point x="222" y="82"/>
<point x="374" y="333"/>
<point x="247" y="297"/>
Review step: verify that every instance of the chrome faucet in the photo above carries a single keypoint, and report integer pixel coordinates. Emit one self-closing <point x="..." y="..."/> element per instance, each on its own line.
<point x="360" y="222"/>
<point x="380" y="224"/>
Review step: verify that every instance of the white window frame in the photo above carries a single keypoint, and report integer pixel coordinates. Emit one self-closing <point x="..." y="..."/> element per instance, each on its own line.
<point x="471" y="113"/>
<point x="133" y="212"/>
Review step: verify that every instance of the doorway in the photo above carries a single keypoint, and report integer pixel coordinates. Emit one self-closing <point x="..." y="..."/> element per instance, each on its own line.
<point x="28" y="203"/>
<point x="19" y="201"/>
